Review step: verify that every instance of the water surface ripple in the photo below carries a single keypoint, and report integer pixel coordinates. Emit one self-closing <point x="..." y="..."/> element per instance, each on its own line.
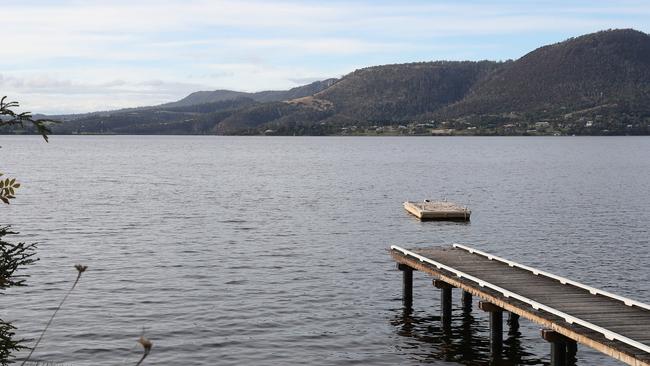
<point x="272" y="251"/>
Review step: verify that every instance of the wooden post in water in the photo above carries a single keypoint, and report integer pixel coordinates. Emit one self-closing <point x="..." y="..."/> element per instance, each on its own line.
<point x="407" y="285"/>
<point x="571" y="351"/>
<point x="445" y="302"/>
<point x="558" y="347"/>
<point x="496" y="327"/>
<point x="513" y="322"/>
<point x="467" y="301"/>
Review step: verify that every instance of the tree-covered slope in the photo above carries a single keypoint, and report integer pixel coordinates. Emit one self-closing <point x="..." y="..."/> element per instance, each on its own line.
<point x="203" y="97"/>
<point x="598" y="83"/>
<point x="405" y="91"/>
<point x="379" y="94"/>
<point x="584" y="72"/>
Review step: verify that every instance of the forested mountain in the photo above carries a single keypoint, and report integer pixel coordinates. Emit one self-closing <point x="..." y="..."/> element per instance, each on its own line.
<point x="584" y="72"/>
<point x="202" y="97"/>
<point x="593" y="84"/>
<point x="374" y="95"/>
<point x="188" y="119"/>
<point x="402" y="92"/>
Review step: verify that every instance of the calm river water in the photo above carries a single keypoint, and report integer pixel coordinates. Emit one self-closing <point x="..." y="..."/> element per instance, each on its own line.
<point x="273" y="250"/>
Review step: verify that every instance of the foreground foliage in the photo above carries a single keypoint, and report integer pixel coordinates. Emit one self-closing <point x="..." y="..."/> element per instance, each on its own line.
<point x="14" y="256"/>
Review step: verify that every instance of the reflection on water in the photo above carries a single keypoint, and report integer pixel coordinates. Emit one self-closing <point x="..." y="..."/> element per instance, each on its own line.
<point x="465" y="341"/>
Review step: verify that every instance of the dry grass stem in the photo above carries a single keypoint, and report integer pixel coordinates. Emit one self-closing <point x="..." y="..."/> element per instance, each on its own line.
<point x="80" y="269"/>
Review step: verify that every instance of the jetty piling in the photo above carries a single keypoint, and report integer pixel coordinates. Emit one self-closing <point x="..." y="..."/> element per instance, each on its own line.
<point x="563" y="349"/>
<point x="466" y="298"/>
<point x="407" y="285"/>
<point x="513" y="323"/>
<point x="496" y="327"/>
<point x="445" y="302"/>
<point x="571" y="351"/>
<point x="570" y="312"/>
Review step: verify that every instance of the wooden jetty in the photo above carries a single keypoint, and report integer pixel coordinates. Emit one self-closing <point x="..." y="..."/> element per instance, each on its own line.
<point x="569" y="312"/>
<point x="437" y="210"/>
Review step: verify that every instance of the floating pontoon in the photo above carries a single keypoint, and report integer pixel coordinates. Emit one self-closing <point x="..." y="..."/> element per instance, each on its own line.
<point x="437" y="210"/>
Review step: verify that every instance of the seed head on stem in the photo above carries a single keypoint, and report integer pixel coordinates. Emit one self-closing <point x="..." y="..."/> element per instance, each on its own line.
<point x="146" y="345"/>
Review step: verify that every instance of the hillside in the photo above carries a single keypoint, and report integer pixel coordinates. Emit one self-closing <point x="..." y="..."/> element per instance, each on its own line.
<point x="595" y="84"/>
<point x="402" y="92"/>
<point x="584" y="72"/>
<point x="373" y="95"/>
<point x="202" y="97"/>
<point x="198" y="113"/>
<point x="187" y="119"/>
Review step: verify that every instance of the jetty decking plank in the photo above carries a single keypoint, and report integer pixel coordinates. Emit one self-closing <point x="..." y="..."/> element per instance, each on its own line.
<point x="605" y="320"/>
<point x="612" y="314"/>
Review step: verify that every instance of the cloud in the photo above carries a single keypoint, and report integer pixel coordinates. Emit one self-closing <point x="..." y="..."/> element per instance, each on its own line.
<point x="307" y="80"/>
<point x="46" y="84"/>
<point x="45" y="94"/>
<point x="151" y="50"/>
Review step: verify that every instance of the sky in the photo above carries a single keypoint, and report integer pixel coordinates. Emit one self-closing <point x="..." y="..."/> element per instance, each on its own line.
<point x="77" y="56"/>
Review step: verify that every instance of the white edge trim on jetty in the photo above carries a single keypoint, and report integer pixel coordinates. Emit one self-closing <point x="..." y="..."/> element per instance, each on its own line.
<point x="563" y="280"/>
<point x="536" y="305"/>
